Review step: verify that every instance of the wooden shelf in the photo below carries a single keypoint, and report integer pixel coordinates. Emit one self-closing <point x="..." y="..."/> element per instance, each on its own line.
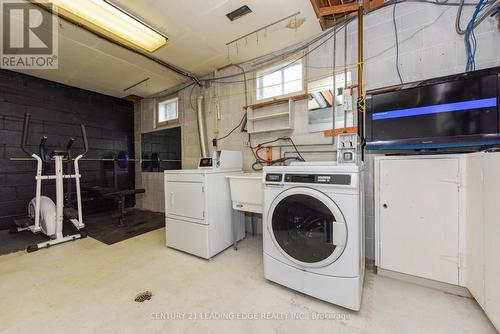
<point x="281" y="100"/>
<point x="279" y="120"/>
<point x="270" y="130"/>
<point x="336" y="132"/>
<point x="271" y="116"/>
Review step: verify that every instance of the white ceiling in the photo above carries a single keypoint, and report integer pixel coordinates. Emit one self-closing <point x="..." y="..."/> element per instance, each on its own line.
<point x="197" y="32"/>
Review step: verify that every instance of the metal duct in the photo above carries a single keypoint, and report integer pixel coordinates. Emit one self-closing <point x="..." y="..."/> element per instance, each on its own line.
<point x="201" y="126"/>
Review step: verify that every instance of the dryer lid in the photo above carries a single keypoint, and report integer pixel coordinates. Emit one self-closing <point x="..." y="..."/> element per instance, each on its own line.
<point x="307" y="227"/>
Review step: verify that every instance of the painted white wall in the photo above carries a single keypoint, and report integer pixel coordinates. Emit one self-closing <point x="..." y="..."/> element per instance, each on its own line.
<point x="429" y="47"/>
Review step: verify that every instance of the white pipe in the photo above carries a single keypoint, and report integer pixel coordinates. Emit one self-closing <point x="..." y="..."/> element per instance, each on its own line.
<point x="201" y="126"/>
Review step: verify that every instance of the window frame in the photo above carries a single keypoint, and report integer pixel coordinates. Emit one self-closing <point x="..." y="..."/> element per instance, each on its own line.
<point x="175" y="121"/>
<point x="268" y="69"/>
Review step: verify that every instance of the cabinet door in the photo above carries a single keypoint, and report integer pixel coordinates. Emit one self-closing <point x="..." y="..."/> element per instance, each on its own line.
<point x="185" y="199"/>
<point x="475" y="227"/>
<point x="419" y="218"/>
<point x="492" y="237"/>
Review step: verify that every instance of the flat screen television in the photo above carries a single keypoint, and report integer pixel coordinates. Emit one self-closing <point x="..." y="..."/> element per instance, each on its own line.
<point x="454" y="111"/>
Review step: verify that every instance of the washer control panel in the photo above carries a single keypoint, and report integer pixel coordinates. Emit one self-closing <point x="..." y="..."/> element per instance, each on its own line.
<point x="337" y="179"/>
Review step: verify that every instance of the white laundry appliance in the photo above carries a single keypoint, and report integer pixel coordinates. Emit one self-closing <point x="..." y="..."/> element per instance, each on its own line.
<point x="198" y="205"/>
<point x="314" y="230"/>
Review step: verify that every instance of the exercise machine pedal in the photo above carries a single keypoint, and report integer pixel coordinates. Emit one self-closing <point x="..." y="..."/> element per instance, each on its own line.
<point x="23" y="222"/>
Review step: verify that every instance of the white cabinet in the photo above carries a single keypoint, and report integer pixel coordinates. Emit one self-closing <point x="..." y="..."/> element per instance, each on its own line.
<point x="483" y="232"/>
<point x="474" y="253"/>
<point x="438" y="217"/>
<point x="418" y="206"/>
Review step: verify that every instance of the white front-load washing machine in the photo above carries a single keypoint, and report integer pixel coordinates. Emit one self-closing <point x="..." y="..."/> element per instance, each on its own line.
<point x="314" y="230"/>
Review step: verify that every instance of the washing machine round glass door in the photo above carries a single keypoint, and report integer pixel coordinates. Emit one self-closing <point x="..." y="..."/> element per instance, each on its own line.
<point x="307" y="227"/>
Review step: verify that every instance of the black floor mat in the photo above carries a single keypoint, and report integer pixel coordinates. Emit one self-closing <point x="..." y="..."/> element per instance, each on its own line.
<point x="10" y="243"/>
<point x="105" y="229"/>
<point x="98" y="226"/>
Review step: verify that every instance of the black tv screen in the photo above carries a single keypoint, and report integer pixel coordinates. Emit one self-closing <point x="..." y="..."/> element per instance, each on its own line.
<point x="453" y="111"/>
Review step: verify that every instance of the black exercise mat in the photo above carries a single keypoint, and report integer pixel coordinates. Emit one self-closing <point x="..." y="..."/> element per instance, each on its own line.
<point x="10" y="243"/>
<point x="14" y="242"/>
<point x="98" y="226"/>
<point x="105" y="228"/>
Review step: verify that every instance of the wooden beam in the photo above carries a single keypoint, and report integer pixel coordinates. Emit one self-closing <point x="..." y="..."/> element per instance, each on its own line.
<point x="339" y="9"/>
<point x="371" y="4"/>
<point x="329" y="22"/>
<point x="322" y="21"/>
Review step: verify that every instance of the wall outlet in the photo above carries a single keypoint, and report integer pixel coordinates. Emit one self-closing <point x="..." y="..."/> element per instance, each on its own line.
<point x="347" y="100"/>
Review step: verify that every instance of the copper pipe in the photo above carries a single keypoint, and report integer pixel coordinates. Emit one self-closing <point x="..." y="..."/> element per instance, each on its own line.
<point x="360" y="51"/>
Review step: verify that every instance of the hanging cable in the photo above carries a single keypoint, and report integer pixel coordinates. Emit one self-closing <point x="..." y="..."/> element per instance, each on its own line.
<point x="329" y="36"/>
<point x="495" y="5"/>
<point x="234" y="129"/>
<point x="470" y="37"/>
<point x="397" y="41"/>
<point x="264" y="161"/>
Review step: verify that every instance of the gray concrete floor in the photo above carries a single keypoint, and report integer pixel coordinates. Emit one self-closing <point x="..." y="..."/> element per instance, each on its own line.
<point x="89" y="287"/>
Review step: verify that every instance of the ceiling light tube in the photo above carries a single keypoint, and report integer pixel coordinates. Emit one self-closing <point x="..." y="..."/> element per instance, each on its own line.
<point x="107" y="19"/>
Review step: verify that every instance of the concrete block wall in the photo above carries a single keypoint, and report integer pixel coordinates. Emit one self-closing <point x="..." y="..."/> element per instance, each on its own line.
<point x="428" y="47"/>
<point x="154" y="197"/>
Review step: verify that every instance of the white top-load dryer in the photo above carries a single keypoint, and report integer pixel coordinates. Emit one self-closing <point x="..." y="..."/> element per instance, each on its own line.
<point x="314" y="232"/>
<point x="198" y="206"/>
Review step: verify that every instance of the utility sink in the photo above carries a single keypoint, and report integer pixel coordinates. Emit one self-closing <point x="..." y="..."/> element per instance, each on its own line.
<point x="247" y="192"/>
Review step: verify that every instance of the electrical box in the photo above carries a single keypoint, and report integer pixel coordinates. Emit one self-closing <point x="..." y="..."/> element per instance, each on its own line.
<point x="347" y="99"/>
<point x="347" y="148"/>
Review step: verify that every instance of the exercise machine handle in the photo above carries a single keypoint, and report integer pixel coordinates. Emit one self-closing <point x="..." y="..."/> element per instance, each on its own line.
<point x="41" y="148"/>
<point x="85" y="141"/>
<point x="25" y="133"/>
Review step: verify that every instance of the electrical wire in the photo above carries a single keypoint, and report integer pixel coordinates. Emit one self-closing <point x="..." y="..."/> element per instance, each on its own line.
<point x="262" y="160"/>
<point x="495" y="5"/>
<point x="234" y="129"/>
<point x="397" y="41"/>
<point x="470" y="37"/>
<point x="281" y="160"/>
<point x="326" y="33"/>
<point x="191" y="98"/>
<point x="330" y="34"/>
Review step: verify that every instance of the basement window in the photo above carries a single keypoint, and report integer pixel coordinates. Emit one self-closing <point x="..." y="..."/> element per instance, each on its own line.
<point x="280" y="80"/>
<point x="167" y="111"/>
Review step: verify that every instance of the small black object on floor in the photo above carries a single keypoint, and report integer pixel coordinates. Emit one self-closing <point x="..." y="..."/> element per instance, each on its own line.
<point x="102" y="227"/>
<point x="105" y="228"/>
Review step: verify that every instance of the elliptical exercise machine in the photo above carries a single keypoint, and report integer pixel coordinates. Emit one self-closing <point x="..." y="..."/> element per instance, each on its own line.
<point x="44" y="215"/>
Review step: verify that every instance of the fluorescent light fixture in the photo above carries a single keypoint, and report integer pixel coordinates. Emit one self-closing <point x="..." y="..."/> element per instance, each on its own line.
<point x="107" y="19"/>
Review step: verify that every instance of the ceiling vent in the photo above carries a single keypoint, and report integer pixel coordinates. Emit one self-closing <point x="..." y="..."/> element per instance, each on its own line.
<point x="236" y="14"/>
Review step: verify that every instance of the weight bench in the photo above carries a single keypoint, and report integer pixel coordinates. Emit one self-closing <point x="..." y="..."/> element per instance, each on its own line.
<point x="118" y="196"/>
